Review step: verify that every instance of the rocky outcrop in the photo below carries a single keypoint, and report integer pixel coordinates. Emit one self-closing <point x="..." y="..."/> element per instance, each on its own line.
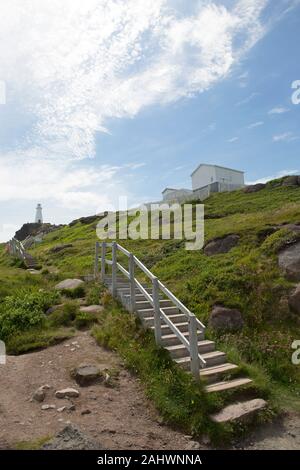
<point x="225" y="319"/>
<point x="85" y="220"/>
<point x="289" y="262"/>
<point x="71" y="438"/>
<point x="294" y="300"/>
<point x="293" y="180"/>
<point x="221" y="245"/>
<point x="254" y="188"/>
<point x="69" y="284"/>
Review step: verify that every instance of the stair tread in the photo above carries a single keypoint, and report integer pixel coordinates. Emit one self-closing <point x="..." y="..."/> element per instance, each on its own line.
<point x="167" y="326"/>
<point x="180" y="346"/>
<point x="227" y="385"/>
<point x="207" y="371"/>
<point x="204" y="355"/>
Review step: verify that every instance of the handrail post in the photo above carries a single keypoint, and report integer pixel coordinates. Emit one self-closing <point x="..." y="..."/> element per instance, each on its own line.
<point x="114" y="269"/>
<point x="132" y="281"/>
<point x="96" y="268"/>
<point x="103" y="261"/>
<point x="194" y="352"/>
<point x="156" y="308"/>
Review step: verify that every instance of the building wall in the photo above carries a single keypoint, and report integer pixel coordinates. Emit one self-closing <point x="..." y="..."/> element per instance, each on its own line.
<point x="176" y="194"/>
<point x="230" y="177"/>
<point x="203" y="176"/>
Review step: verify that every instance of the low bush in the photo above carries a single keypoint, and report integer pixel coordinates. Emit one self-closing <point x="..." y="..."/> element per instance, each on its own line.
<point x="84" y="319"/>
<point x="65" y="315"/>
<point x="24" y="310"/>
<point x="76" y="293"/>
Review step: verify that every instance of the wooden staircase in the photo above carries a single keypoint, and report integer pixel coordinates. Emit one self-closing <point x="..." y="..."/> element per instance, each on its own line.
<point x="175" y="328"/>
<point x="217" y="367"/>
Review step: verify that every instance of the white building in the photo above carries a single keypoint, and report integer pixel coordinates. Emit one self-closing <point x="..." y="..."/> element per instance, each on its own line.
<point x="171" y="194"/>
<point x="228" y="179"/>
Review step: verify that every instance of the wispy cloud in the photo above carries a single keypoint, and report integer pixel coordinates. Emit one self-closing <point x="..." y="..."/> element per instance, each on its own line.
<point x="248" y="99"/>
<point x="279" y="174"/>
<point x="285" y="137"/>
<point x="278" y="110"/>
<point x="233" y="139"/>
<point x="255" y="124"/>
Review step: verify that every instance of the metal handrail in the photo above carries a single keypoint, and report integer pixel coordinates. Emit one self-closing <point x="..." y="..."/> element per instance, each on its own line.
<point x="191" y="344"/>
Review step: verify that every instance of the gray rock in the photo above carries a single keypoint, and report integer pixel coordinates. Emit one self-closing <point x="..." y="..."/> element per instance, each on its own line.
<point x="67" y="393"/>
<point x="294" y="300"/>
<point x="39" y="395"/>
<point x="92" y="309"/>
<point x="290" y="181"/>
<point x="254" y="188"/>
<point x="48" y="407"/>
<point x="226" y="319"/>
<point x="289" y="262"/>
<point x="58" y="248"/>
<point x="87" y="375"/>
<point x="71" y="438"/>
<point x="69" y="284"/>
<point x="239" y="411"/>
<point x="221" y="245"/>
<point x="53" y="309"/>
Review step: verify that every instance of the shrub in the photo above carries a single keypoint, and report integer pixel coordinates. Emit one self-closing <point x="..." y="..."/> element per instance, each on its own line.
<point x="84" y="319"/>
<point x="65" y="315"/>
<point x="76" y="293"/>
<point x="24" y="310"/>
<point x="94" y="294"/>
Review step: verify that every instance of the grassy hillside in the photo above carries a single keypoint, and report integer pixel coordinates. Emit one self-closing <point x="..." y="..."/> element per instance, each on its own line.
<point x="247" y="278"/>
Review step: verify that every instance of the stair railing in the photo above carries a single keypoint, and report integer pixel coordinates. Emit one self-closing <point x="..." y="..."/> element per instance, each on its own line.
<point x="194" y="324"/>
<point x="16" y="248"/>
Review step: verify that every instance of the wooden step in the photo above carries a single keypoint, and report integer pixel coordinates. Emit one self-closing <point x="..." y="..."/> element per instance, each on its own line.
<point x="211" y="358"/>
<point x="144" y="304"/>
<point x="166" y="330"/>
<point x="227" y="385"/>
<point x="178" y="318"/>
<point x="149" y="312"/>
<point x="171" y="339"/>
<point x="179" y="350"/>
<point x="213" y="374"/>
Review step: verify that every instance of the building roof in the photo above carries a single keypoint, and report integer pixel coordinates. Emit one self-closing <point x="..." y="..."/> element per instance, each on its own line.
<point x="176" y="189"/>
<point x="216" y="166"/>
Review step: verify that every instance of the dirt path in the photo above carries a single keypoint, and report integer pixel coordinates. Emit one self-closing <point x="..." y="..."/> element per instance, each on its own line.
<point x="282" y="434"/>
<point x="120" y="418"/>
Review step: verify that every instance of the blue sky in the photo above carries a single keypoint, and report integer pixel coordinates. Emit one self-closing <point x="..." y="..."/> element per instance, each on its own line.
<point x="124" y="98"/>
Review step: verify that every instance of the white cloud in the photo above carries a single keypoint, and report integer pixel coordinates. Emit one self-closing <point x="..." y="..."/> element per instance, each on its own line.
<point x="234" y="139"/>
<point x="279" y="174"/>
<point x="76" y="64"/>
<point x="248" y="99"/>
<point x="256" y="124"/>
<point x="278" y="110"/>
<point x="285" y="137"/>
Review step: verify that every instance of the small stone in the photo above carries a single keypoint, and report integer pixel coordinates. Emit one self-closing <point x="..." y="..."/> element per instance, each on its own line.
<point x="60" y="410"/>
<point x="87" y="374"/>
<point x="39" y="395"/>
<point x="86" y="412"/>
<point x="73" y="349"/>
<point x="48" y="407"/>
<point x="67" y="393"/>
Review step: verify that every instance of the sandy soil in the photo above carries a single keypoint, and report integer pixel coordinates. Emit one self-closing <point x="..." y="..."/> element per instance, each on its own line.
<point x="120" y="418"/>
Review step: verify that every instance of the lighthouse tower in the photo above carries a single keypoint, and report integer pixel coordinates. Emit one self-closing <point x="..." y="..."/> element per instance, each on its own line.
<point x="39" y="214"/>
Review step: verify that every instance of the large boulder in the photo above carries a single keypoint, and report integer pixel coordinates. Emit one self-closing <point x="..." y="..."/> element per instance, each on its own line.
<point x="87" y="374"/>
<point x="69" y="284"/>
<point x="254" y="188"/>
<point x="294" y="300"/>
<point x="221" y="245"/>
<point x="226" y="319"/>
<point x="289" y="262"/>
<point x="291" y="181"/>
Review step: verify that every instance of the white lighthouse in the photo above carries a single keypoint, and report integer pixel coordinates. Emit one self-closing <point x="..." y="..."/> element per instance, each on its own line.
<point x="39" y="214"/>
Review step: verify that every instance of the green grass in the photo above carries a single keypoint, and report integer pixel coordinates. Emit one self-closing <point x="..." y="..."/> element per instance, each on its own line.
<point x="248" y="278"/>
